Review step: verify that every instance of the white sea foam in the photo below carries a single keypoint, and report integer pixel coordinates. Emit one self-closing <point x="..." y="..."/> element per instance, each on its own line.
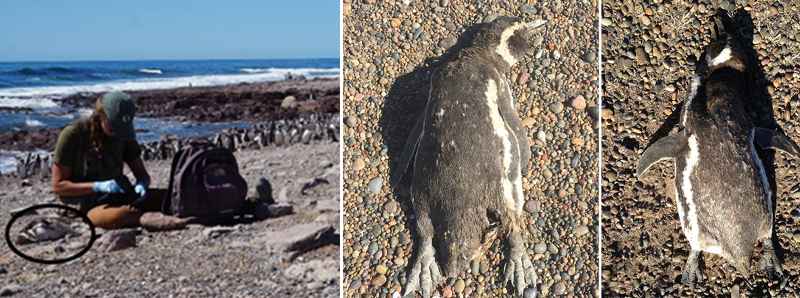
<point x="43" y="97"/>
<point x="150" y="70"/>
<point x="308" y="72"/>
<point x="33" y="123"/>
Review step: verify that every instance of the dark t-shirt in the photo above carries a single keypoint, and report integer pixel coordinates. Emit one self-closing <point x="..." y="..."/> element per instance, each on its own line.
<point x="75" y="151"/>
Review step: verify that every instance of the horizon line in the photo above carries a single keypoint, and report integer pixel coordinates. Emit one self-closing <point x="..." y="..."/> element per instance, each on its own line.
<point x="164" y="59"/>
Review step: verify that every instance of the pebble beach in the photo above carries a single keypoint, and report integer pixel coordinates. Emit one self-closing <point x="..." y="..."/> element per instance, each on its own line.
<point x="649" y="53"/>
<point x="390" y="47"/>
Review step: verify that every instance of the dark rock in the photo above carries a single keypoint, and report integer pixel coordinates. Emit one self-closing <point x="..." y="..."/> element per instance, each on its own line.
<point x="264" y="190"/>
<point x="308" y="236"/>
<point x="311" y="183"/>
<point x="10" y="290"/>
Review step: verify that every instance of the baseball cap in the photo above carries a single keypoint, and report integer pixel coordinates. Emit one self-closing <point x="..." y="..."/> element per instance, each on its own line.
<point x="120" y="109"/>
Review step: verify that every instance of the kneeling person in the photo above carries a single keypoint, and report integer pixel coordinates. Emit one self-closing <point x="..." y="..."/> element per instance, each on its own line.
<point x="88" y="169"/>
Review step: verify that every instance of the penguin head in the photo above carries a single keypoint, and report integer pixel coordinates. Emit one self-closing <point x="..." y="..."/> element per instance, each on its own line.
<point x="507" y="38"/>
<point x="726" y="51"/>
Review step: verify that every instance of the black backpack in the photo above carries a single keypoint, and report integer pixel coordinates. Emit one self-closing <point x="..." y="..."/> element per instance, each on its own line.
<point x="205" y="182"/>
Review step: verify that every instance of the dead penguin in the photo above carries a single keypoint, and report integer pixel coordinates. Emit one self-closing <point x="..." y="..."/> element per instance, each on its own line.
<point x="470" y="126"/>
<point x="724" y="199"/>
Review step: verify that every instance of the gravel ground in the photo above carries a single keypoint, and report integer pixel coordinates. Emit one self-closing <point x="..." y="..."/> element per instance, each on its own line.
<point x="389" y="47"/>
<point x="648" y="56"/>
<point x="243" y="262"/>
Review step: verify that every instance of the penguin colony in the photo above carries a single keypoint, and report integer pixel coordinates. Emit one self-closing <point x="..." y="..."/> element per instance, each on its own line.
<point x="305" y="129"/>
<point x="468" y="152"/>
<point x="724" y="199"/>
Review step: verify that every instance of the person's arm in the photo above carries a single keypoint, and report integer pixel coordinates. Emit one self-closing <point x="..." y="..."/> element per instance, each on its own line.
<point x="63" y="187"/>
<point x="139" y="171"/>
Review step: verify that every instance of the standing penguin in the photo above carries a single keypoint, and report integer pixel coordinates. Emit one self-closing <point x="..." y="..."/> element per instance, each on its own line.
<point x="724" y="199"/>
<point x="468" y="152"/>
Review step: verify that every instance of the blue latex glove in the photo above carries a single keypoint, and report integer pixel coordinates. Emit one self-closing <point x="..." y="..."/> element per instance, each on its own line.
<point x="141" y="187"/>
<point x="108" y="186"/>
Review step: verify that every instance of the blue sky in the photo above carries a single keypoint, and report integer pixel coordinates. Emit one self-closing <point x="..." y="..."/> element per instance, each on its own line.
<point x="39" y="30"/>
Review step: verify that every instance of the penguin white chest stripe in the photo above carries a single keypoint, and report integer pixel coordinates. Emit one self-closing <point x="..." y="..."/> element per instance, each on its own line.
<point x="500" y="130"/>
<point x="722" y="57"/>
<point x="762" y="174"/>
<point x="691" y="229"/>
<point x="517" y="175"/>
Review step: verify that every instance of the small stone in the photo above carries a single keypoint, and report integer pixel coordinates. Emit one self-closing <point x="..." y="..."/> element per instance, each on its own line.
<point x="528" y="122"/>
<point x="289" y="102"/>
<point x="378" y="280"/>
<point x="459" y="286"/>
<point x="359" y="164"/>
<point x="381" y="269"/>
<point x="540" y="248"/>
<point x="559" y="288"/>
<point x="589" y="57"/>
<point x="391" y="208"/>
<point x="350" y="121"/>
<point x="447" y="292"/>
<point x="375" y="185"/>
<point x="577" y="141"/>
<point x="541" y="136"/>
<point x="645" y="20"/>
<point x="556" y="107"/>
<point x="532" y="206"/>
<point x="396" y="23"/>
<point x="447" y="42"/>
<point x="581" y="230"/>
<point x="578" y="103"/>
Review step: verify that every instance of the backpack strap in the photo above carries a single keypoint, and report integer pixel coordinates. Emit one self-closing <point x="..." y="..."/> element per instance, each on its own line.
<point x="166" y="204"/>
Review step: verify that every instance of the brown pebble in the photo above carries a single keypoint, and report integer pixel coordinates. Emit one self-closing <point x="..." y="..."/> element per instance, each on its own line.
<point x="378" y="280"/>
<point x="447" y="292"/>
<point x="459" y="286"/>
<point x="578" y="103"/>
<point x="359" y="164"/>
<point x="528" y="122"/>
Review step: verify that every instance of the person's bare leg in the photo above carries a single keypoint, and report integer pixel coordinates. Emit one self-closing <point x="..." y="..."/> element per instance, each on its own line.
<point x="157" y="221"/>
<point x="114" y="217"/>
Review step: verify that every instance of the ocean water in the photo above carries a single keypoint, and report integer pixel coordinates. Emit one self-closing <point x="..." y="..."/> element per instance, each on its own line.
<point x="35" y="85"/>
<point x="29" y="90"/>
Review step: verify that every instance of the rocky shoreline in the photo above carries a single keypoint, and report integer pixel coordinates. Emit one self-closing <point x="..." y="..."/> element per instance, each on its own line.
<point x="280" y="113"/>
<point x="238" y="102"/>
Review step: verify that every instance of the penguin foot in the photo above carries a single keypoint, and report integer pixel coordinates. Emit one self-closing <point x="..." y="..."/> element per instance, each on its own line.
<point x="691" y="271"/>
<point x="425" y="272"/>
<point x="770" y="262"/>
<point x="519" y="268"/>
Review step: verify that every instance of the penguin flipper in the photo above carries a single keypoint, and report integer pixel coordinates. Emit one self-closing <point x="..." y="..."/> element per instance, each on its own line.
<point x="663" y="149"/>
<point x="409" y="151"/>
<point x="771" y="139"/>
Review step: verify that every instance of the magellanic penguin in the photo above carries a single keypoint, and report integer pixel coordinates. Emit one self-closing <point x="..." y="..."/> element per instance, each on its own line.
<point x="724" y="199"/>
<point x="468" y="152"/>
